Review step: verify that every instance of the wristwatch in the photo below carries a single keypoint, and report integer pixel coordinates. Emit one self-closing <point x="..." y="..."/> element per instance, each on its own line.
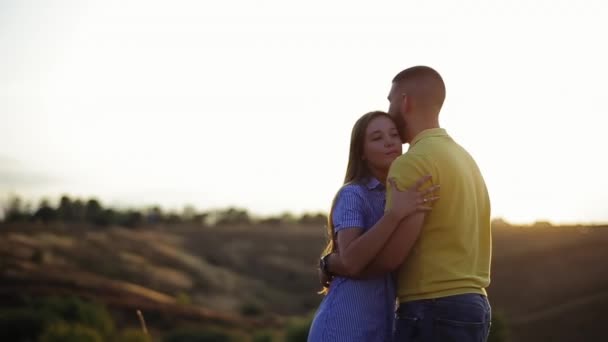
<point x="324" y="265"/>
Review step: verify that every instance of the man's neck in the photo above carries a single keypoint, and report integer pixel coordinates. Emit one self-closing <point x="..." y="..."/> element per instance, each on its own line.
<point x="415" y="128"/>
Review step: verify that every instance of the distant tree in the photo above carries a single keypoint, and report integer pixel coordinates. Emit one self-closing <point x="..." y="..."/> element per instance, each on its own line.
<point x="65" y="211"/>
<point x="93" y="211"/>
<point x="78" y="210"/>
<point x="45" y="212"/>
<point x="133" y="219"/>
<point x="288" y="218"/>
<point x="273" y="221"/>
<point x="154" y="215"/>
<point x="233" y="216"/>
<point x="191" y="216"/>
<point x="188" y="213"/>
<point x="200" y="219"/>
<point x="106" y="218"/>
<point x="542" y="224"/>
<point x="308" y="218"/>
<point x="15" y="210"/>
<point x="172" y="218"/>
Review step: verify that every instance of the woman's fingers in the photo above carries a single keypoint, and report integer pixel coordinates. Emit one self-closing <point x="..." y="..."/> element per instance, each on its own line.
<point x="427" y="200"/>
<point x="425" y="205"/>
<point x="430" y="190"/>
<point x="420" y="182"/>
<point x="430" y="199"/>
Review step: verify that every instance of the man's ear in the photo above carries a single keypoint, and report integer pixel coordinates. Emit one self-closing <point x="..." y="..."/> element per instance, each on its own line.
<point x="405" y="103"/>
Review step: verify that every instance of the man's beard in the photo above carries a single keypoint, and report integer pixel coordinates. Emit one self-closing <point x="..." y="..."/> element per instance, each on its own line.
<point x="401" y="125"/>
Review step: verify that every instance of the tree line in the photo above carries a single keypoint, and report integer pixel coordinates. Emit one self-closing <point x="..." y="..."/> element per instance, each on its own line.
<point x="92" y="211"/>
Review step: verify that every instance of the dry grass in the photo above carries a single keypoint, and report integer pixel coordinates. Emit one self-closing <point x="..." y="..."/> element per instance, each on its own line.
<point x="541" y="276"/>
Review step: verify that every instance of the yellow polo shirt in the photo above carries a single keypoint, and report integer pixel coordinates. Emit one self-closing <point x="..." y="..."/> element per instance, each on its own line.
<point x="452" y="255"/>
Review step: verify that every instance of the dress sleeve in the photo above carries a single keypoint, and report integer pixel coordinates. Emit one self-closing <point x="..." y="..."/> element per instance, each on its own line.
<point x="348" y="211"/>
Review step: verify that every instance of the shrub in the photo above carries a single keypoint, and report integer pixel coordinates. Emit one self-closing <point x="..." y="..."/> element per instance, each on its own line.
<point x="183" y="298"/>
<point x="251" y="309"/>
<point x="198" y="335"/>
<point x="499" y="331"/>
<point x="64" y="332"/>
<point x="75" y="310"/>
<point x="23" y="324"/>
<point x="262" y="336"/>
<point x="133" y="335"/>
<point x="297" y="330"/>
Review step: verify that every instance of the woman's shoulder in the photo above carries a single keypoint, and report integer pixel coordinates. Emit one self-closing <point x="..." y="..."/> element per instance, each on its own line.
<point x="352" y="194"/>
<point x="351" y="189"/>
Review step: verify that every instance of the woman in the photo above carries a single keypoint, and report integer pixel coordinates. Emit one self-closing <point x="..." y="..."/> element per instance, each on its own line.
<point x="362" y="309"/>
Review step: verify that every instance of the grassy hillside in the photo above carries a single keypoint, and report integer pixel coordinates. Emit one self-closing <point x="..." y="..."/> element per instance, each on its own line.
<point x="548" y="283"/>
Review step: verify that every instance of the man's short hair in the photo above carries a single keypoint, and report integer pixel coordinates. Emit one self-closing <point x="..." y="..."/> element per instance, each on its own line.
<point x="423" y="83"/>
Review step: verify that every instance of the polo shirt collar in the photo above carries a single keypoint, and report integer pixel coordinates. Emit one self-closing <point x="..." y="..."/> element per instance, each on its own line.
<point x="427" y="133"/>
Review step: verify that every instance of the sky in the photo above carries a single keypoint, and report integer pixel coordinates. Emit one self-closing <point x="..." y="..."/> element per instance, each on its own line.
<point x="251" y="103"/>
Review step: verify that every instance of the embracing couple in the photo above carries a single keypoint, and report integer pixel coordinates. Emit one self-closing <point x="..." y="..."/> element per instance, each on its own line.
<point x="408" y="258"/>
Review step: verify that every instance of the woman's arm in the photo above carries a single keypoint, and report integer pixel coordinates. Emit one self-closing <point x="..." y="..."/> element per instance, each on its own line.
<point x="358" y="249"/>
<point x="397" y="248"/>
<point x="389" y="258"/>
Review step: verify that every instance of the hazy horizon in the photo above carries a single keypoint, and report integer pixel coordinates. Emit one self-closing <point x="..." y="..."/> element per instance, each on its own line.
<point x="251" y="104"/>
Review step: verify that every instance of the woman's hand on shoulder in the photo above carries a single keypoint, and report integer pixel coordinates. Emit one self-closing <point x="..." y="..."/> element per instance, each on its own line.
<point x="407" y="202"/>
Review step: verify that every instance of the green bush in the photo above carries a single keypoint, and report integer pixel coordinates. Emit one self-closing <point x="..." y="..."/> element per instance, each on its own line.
<point x="198" y="335"/>
<point x="251" y="309"/>
<point x="23" y="324"/>
<point x="499" y="331"/>
<point x="183" y="298"/>
<point x="76" y="310"/>
<point x="262" y="336"/>
<point x="133" y="335"/>
<point x="64" y="332"/>
<point x="297" y="330"/>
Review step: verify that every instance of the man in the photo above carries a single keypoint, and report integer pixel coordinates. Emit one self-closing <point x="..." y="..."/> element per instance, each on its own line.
<point x="442" y="258"/>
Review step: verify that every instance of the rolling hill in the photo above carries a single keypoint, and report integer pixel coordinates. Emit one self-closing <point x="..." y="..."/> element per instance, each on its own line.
<point x="548" y="283"/>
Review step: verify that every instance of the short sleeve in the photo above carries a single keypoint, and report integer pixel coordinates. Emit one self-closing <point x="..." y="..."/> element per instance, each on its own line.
<point x="348" y="210"/>
<point x="406" y="170"/>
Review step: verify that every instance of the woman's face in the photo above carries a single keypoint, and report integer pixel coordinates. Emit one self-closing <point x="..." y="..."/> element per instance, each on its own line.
<point x="382" y="143"/>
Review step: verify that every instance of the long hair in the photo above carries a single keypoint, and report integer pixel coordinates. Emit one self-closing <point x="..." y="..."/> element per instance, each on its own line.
<point x="357" y="170"/>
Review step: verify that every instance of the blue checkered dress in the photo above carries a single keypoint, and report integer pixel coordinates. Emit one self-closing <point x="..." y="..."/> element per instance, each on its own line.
<point x="357" y="310"/>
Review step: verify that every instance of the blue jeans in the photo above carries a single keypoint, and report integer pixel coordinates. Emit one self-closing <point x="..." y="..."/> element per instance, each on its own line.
<point x="460" y="318"/>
